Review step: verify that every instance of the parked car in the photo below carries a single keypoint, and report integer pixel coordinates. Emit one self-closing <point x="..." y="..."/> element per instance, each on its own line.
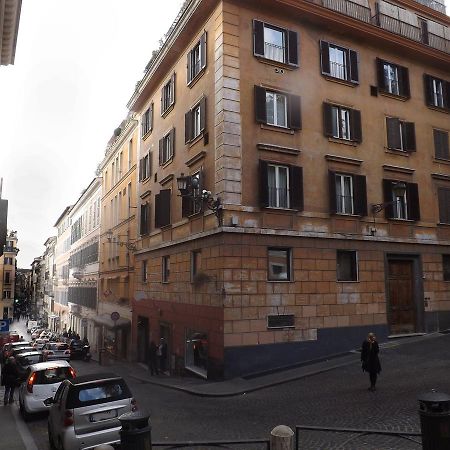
<point x="84" y="411"/>
<point x="36" y="333"/>
<point x="76" y="349"/>
<point x="25" y="360"/>
<point x="21" y="349"/>
<point x="41" y="382"/>
<point x="55" y="351"/>
<point x="39" y="343"/>
<point x="8" y="347"/>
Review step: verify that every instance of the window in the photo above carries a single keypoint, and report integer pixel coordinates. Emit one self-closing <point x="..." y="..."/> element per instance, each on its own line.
<point x="342" y="123"/>
<point x="7" y="277"/>
<point x="194" y="121"/>
<point x="196" y="59"/>
<point x="195" y="263"/>
<point x="165" y="269"/>
<point x="162" y="208"/>
<point x="444" y="205"/>
<point x="145" y="167"/>
<point x="281" y="186"/>
<point x="441" y="144"/>
<point x="339" y="62"/>
<point x="147" y="122"/>
<point x="405" y="207"/>
<point x="401" y="135"/>
<point x="279" y="264"/>
<point x="8" y="261"/>
<point x="347" y="194"/>
<point x="195" y="187"/>
<point x="167" y="147"/>
<point x="168" y="95"/>
<point x="130" y="154"/>
<point x="275" y="43"/>
<point x="7" y="294"/>
<point x="437" y="92"/>
<point x="346" y="265"/>
<point x="446" y="267"/>
<point x="277" y="108"/>
<point x="144" y="271"/>
<point x="392" y="78"/>
<point x="144" y="224"/>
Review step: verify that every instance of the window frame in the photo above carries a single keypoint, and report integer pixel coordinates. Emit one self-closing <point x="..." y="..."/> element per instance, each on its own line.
<point x="288" y="264"/>
<point x="191" y="134"/>
<point x="144" y="224"/>
<point x="168" y="95"/>
<point x="443" y="201"/>
<point x="165" y="269"/>
<point x="167" y="147"/>
<point x="354" y="269"/>
<point x="350" y="62"/>
<point x="432" y="96"/>
<point x="341" y="197"/>
<point x="410" y="201"/>
<point x="441" y="139"/>
<point x="192" y="74"/>
<point x="144" y="271"/>
<point x="332" y="123"/>
<point x="277" y="187"/>
<point x="275" y="96"/>
<point x="401" y="132"/>
<point x="385" y="81"/>
<point x="147" y="121"/>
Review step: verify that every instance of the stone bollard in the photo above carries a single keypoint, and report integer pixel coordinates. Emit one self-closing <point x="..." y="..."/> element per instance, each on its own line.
<point x="104" y="447"/>
<point x="136" y="431"/>
<point x="282" y="438"/>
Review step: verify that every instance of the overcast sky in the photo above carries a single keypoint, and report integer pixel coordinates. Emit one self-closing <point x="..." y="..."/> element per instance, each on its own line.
<point x="77" y="62"/>
<point x="76" y="65"/>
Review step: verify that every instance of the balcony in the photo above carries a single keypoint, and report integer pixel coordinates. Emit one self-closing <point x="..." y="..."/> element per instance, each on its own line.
<point x="437" y="6"/>
<point x="349" y="8"/>
<point x="9" y="249"/>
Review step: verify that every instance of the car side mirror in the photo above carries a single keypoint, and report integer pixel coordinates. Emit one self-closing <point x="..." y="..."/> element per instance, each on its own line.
<point x="49" y="401"/>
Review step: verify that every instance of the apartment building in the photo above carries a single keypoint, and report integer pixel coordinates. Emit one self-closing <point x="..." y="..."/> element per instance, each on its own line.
<point x="117" y="238"/>
<point x="8" y="274"/>
<point x="298" y="194"/>
<point x="9" y="28"/>
<point x="36" y="288"/>
<point x="84" y="220"/>
<point x="49" y="274"/>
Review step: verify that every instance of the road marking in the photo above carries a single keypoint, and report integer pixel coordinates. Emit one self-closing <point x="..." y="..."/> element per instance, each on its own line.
<point x="23" y="430"/>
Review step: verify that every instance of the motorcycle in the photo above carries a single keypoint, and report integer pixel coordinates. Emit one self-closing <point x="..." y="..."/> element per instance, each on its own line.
<point x="86" y="353"/>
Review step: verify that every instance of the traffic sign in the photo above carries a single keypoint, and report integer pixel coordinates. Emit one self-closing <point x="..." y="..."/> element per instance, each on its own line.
<point x="4" y="325"/>
<point x="115" y="316"/>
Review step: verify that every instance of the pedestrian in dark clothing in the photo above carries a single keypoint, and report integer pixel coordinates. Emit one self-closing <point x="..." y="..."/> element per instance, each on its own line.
<point x="369" y="359"/>
<point x="10" y="379"/>
<point x="153" y="359"/>
<point x="162" y="355"/>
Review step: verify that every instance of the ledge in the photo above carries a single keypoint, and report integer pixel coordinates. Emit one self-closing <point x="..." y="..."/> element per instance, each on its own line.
<point x="166" y="179"/>
<point x="344" y="159"/>
<point x="265" y="126"/>
<point x="278" y="149"/>
<point x="440" y="176"/>
<point x="196" y="158"/>
<point x="389" y="168"/>
<point x="145" y="194"/>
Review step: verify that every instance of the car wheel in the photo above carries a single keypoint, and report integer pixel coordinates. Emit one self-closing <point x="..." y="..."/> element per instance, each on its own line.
<point x="50" y="438"/>
<point x="25" y="415"/>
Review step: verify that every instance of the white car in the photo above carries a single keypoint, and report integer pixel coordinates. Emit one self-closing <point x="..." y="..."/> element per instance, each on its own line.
<point x="39" y="343"/>
<point x="41" y="382"/>
<point x="36" y="333"/>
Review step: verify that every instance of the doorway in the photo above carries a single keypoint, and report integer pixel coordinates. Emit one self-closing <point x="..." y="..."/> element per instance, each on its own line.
<point x="402" y="309"/>
<point x="165" y="333"/>
<point x="142" y="338"/>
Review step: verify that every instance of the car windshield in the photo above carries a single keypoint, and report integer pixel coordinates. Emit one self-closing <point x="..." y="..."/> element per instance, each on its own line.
<point x="53" y="375"/>
<point x="28" y="360"/>
<point x="91" y="394"/>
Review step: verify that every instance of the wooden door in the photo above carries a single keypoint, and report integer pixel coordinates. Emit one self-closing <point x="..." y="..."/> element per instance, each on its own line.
<point x="402" y="310"/>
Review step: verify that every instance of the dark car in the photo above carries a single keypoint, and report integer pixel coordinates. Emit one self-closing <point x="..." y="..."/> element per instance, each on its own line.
<point x="24" y="360"/>
<point x="76" y="348"/>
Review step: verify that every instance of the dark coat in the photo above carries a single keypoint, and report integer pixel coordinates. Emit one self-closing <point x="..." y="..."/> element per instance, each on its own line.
<point x="369" y="357"/>
<point x="10" y="374"/>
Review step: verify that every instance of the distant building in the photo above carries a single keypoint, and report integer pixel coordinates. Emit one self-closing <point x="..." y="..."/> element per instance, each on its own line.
<point x="9" y="28"/>
<point x="8" y="274"/>
<point x="48" y="260"/>
<point x="36" y="293"/>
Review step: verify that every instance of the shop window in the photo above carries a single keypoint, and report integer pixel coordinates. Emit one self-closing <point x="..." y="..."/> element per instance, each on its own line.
<point x="347" y="265"/>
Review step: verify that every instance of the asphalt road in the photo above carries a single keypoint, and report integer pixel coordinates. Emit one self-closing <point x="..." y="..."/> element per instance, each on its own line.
<point x="338" y="398"/>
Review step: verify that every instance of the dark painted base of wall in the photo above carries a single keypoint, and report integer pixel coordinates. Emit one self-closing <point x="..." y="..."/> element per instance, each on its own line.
<point x="437" y="321"/>
<point x="241" y="361"/>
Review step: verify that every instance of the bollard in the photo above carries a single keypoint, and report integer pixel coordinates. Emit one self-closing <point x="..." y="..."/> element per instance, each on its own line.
<point x="136" y="431"/>
<point x="434" y="411"/>
<point x="282" y="438"/>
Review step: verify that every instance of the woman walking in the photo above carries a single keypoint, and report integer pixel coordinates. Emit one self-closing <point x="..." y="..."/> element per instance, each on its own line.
<point x="10" y="379"/>
<point x="370" y="360"/>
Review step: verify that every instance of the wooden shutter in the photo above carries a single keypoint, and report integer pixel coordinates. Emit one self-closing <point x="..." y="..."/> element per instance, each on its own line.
<point x="162" y="101"/>
<point x="140" y="170"/>
<point x="149" y="164"/>
<point x="444" y="205"/>
<point x="428" y="88"/>
<point x="393" y="133"/>
<point x="296" y="187"/>
<point x="410" y="136"/>
<point x="161" y="150"/>
<point x="360" y="195"/>
<point x="441" y="144"/>
<point x="404" y="81"/>
<point x="202" y="114"/>
<point x="447" y="95"/>
<point x="172" y="143"/>
<point x="332" y="191"/>
<point x="162" y="208"/>
<point x="263" y="184"/>
<point x="150" y="118"/>
<point x="325" y="57"/>
<point x="327" y="120"/>
<point x="260" y="104"/>
<point x="144" y="219"/>
<point x="189" y="67"/>
<point x="188" y="127"/>
<point x="380" y="74"/>
<point x="412" y="199"/>
<point x="172" y="82"/>
<point x="388" y="197"/>
<point x="186" y="206"/>
<point x="355" y="125"/>
<point x="354" y="75"/>
<point x="295" y="119"/>
<point x="258" y="38"/>
<point x="203" y="51"/>
<point x="292" y="50"/>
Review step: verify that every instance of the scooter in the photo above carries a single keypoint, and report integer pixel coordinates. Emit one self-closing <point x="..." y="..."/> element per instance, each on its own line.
<point x="86" y="353"/>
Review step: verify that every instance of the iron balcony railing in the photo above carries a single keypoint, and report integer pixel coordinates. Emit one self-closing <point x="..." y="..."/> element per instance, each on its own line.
<point x="437" y="6"/>
<point x="398" y="27"/>
<point x="338" y="70"/>
<point x="349" y="8"/>
<point x="273" y="52"/>
<point x="438" y="42"/>
<point x="9" y="249"/>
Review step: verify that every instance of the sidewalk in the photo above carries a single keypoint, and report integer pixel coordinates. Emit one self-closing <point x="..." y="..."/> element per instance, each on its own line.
<point x="239" y="386"/>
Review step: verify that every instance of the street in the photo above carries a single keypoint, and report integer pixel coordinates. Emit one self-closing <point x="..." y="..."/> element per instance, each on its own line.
<point x="338" y="398"/>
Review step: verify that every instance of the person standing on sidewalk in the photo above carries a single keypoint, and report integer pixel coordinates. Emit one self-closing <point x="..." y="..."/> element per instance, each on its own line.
<point x="152" y="358"/>
<point x="10" y="379"/>
<point x="370" y="360"/>
<point x="162" y="355"/>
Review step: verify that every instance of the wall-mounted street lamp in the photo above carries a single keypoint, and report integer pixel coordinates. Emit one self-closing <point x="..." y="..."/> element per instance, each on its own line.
<point x="115" y="240"/>
<point x="189" y="187"/>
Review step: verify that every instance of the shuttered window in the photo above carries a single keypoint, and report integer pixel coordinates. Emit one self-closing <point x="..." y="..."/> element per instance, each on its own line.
<point x="275" y="43"/>
<point x="145" y="222"/>
<point x="444" y="205"/>
<point x="162" y="208"/>
<point x="196" y="59"/>
<point x="145" y="167"/>
<point x="348" y="194"/>
<point x="401" y="135"/>
<point x="339" y="62"/>
<point x="392" y="78"/>
<point x="195" y="121"/>
<point x="441" y="144"/>
<point x="277" y="108"/>
<point x="167" y="147"/>
<point x="168" y="95"/>
<point x="147" y="121"/>
<point x="437" y="92"/>
<point x="342" y="123"/>
<point x="405" y="207"/>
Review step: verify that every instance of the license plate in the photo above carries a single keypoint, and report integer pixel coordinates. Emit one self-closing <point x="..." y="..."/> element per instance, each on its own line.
<point x="104" y="415"/>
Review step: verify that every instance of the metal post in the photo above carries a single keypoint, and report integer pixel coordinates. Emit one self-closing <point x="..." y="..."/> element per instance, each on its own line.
<point x="282" y="438"/>
<point x="136" y="431"/>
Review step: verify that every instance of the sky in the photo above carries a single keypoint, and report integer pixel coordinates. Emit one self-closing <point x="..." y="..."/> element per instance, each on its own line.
<point x="76" y="65"/>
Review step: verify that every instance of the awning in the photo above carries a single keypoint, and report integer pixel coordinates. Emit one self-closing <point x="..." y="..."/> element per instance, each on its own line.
<point x="105" y="320"/>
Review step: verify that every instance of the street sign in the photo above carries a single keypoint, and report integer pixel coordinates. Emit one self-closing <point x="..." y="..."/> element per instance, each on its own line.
<point x="4" y="325"/>
<point x="115" y="316"/>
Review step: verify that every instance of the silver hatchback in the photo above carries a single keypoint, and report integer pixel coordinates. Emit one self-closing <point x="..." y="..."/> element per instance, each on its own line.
<point x="85" y="412"/>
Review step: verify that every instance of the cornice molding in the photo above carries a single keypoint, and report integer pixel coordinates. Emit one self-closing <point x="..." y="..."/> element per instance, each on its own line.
<point x="440" y="176"/>
<point x="398" y="169"/>
<point x="196" y="158"/>
<point x="278" y="149"/>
